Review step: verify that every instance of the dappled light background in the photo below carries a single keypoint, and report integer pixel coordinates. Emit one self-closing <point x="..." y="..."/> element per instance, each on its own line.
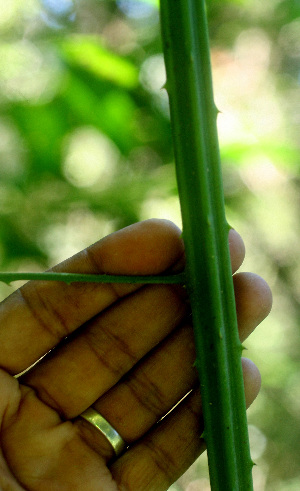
<point x="85" y="148"/>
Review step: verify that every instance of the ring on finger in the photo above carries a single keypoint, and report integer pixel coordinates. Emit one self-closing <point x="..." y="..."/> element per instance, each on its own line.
<point x="102" y="425"/>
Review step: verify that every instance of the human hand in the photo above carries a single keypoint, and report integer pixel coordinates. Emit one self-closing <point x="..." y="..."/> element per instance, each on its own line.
<point x="125" y="349"/>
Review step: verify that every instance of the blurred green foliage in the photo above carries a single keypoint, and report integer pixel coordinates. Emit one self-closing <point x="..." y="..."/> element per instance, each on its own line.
<point x="85" y="148"/>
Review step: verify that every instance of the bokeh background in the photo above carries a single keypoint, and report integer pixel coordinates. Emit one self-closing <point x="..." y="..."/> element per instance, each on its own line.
<point x="85" y="148"/>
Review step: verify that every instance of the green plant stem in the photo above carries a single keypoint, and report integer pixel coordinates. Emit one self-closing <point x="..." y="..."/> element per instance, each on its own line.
<point x="205" y="233"/>
<point x="178" y="278"/>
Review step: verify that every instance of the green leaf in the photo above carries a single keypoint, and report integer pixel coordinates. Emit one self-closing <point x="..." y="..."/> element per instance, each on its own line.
<point x="88" y="53"/>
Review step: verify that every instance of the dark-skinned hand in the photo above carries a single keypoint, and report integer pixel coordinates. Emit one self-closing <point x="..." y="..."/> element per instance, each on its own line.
<point x="125" y="349"/>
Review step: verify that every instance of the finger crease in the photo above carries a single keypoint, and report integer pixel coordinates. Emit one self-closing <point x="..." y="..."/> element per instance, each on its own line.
<point x="148" y="395"/>
<point x="162" y="460"/>
<point x="53" y="322"/>
<point x="96" y="268"/>
<point x="109" y="355"/>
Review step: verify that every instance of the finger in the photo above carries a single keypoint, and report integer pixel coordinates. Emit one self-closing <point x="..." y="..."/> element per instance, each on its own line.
<point x="148" y="392"/>
<point x="40" y="314"/>
<point x="252" y="381"/>
<point x="159" y="459"/>
<point x="155" y="385"/>
<point x="237" y="250"/>
<point x="253" y="299"/>
<point x="166" y="452"/>
<point x="112" y="344"/>
<point x="72" y="377"/>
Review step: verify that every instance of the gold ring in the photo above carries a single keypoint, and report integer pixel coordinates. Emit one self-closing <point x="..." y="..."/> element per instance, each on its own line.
<point x="105" y="428"/>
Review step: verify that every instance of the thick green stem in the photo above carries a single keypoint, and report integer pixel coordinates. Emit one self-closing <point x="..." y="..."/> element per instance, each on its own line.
<point x="205" y="233"/>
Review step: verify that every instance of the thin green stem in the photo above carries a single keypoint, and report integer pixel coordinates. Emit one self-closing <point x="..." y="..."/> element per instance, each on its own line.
<point x="205" y="233"/>
<point x="68" y="278"/>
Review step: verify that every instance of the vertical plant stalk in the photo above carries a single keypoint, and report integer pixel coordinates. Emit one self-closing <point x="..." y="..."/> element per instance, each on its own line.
<point x="205" y="233"/>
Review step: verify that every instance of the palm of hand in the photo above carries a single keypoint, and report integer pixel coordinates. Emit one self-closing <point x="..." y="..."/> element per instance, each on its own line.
<point x="125" y="349"/>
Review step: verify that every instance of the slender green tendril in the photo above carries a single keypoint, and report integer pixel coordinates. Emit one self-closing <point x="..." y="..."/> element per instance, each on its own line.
<point x="68" y="278"/>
